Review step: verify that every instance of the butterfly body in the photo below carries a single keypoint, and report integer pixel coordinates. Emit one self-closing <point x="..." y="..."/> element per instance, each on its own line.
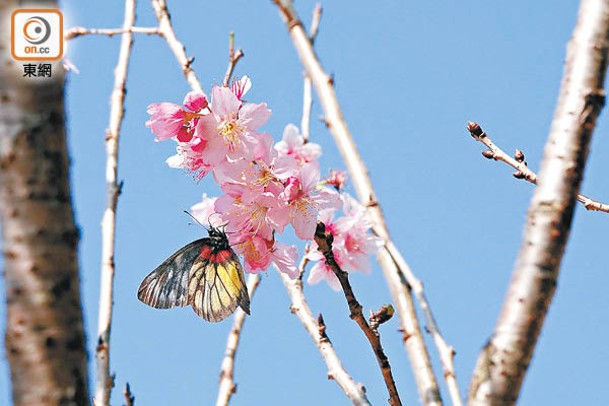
<point x="205" y="274"/>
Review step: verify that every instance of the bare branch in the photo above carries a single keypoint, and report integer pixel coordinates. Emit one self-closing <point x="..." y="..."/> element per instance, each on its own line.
<point x="414" y="343"/>
<point x="307" y="99"/>
<point x="307" y="103"/>
<point x="315" y="21"/>
<point x="233" y="58"/>
<point x="76" y="32"/>
<point x="324" y="242"/>
<point x="227" y="384"/>
<point x="445" y="351"/>
<point x="105" y="381"/>
<point x="178" y="49"/>
<point x="503" y="363"/>
<point x="518" y="163"/>
<point x="317" y="330"/>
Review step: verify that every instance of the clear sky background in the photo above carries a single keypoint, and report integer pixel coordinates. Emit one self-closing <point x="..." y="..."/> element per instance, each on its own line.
<point x="409" y="75"/>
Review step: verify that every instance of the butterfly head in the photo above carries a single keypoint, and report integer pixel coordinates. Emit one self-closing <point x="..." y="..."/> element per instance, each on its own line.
<point x="218" y="236"/>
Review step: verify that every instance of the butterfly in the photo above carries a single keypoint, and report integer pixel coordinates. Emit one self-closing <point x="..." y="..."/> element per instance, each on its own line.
<point x="205" y="274"/>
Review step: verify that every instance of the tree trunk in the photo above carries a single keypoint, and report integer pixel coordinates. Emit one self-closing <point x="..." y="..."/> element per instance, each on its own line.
<point x="45" y="342"/>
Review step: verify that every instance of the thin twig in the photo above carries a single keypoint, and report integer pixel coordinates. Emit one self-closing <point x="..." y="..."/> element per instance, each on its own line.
<point x="105" y="381"/>
<point x="445" y="351"/>
<point x="76" y="32"/>
<point x="336" y="371"/>
<point x="233" y="58"/>
<point x="307" y="99"/>
<point x="518" y="163"/>
<point x="413" y="338"/>
<point x="178" y="49"/>
<point x="315" y="21"/>
<point x="227" y="384"/>
<point x="307" y="103"/>
<point x="503" y="363"/>
<point x="129" y="397"/>
<point x="324" y="242"/>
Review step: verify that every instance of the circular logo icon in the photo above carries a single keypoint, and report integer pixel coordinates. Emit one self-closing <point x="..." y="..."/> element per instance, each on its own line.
<point x="36" y="30"/>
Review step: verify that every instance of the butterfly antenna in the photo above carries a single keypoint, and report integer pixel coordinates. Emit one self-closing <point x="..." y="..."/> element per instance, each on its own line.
<point x="194" y="218"/>
<point x="223" y="226"/>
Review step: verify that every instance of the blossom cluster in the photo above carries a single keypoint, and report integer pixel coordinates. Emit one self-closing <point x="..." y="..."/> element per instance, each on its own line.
<point x="266" y="187"/>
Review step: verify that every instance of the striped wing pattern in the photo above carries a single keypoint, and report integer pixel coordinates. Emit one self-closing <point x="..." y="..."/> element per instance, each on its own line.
<point x="203" y="274"/>
<point x="217" y="288"/>
<point x="167" y="285"/>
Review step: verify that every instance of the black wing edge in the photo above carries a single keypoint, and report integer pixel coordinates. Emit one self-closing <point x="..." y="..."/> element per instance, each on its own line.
<point x="167" y="285"/>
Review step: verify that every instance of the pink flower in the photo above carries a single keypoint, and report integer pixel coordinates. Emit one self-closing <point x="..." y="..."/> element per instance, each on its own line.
<point x="258" y="253"/>
<point x="304" y="200"/>
<point x="166" y="120"/>
<point x="285" y="258"/>
<point x="352" y="236"/>
<point x="321" y="271"/>
<point x="195" y="101"/>
<point x="230" y="130"/>
<point x="336" y="179"/>
<point x="255" y="251"/>
<point x="188" y="157"/>
<point x="205" y="213"/>
<point x="241" y="86"/>
<point x="246" y="212"/>
<point x="352" y="246"/>
<point x="293" y="144"/>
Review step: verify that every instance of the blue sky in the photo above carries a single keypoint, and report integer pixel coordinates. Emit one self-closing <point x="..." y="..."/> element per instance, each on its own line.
<point x="409" y="75"/>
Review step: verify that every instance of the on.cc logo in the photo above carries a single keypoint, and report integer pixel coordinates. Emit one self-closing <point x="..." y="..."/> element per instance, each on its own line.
<point x="36" y="30"/>
<point x="37" y="34"/>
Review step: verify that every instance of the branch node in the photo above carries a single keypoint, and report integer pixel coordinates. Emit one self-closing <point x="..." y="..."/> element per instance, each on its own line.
<point x="129" y="397"/>
<point x="519" y="156"/>
<point x="475" y="130"/>
<point x="382" y="315"/>
<point x="488" y="154"/>
<point x="323" y="337"/>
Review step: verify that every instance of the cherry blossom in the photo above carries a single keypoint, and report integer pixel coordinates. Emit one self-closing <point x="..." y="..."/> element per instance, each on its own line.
<point x="304" y="199"/>
<point x="230" y="129"/>
<point x="240" y="87"/>
<point x="293" y="145"/>
<point x="321" y="271"/>
<point x="265" y="186"/>
<point x="168" y="120"/>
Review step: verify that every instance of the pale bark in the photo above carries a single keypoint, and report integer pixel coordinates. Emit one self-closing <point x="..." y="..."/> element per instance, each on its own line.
<point x="105" y="378"/>
<point x="396" y="280"/>
<point x="45" y="342"/>
<point x="504" y="361"/>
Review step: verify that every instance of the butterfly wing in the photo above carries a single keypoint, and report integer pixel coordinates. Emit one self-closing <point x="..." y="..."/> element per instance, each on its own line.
<point x="167" y="285"/>
<point x="217" y="285"/>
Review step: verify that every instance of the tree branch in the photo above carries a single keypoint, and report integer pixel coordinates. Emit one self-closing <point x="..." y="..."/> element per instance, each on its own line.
<point x="105" y="381"/>
<point x="227" y="384"/>
<point x="354" y="391"/>
<point x="307" y="99"/>
<point x="503" y="363"/>
<point x="324" y="242"/>
<point x="445" y="351"/>
<point x="233" y="58"/>
<point x="76" y="32"/>
<point x="518" y="163"/>
<point x="178" y="49"/>
<point x="400" y="291"/>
